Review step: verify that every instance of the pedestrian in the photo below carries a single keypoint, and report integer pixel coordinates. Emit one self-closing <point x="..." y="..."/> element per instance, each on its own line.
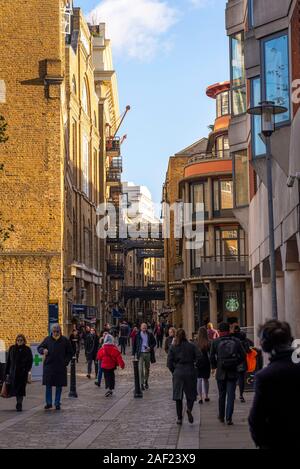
<point x="110" y="358"/>
<point x="100" y="371"/>
<point x="91" y="346"/>
<point x="159" y="335"/>
<point x="133" y="335"/>
<point x="58" y="353"/>
<point x="18" y="365"/>
<point x="182" y="358"/>
<point x="123" y="338"/>
<point x="170" y="339"/>
<point x="226" y="355"/>
<point x="275" y="414"/>
<point x="242" y="368"/>
<point x="75" y="342"/>
<point x="212" y="333"/>
<point x="203" y="365"/>
<point x="143" y="349"/>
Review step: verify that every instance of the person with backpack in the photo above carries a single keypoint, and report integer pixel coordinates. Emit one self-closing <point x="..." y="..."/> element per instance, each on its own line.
<point x="123" y="338"/>
<point x="226" y="355"/>
<point x="110" y="358"/>
<point x="243" y="367"/>
<point x="159" y="335"/>
<point x="203" y="364"/>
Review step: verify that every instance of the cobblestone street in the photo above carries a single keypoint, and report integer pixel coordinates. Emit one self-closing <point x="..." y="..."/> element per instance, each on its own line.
<point x="93" y="421"/>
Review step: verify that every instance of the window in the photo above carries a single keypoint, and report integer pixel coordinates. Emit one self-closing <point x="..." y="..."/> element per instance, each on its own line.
<point x="85" y="165"/>
<point x="276" y="82"/>
<point x="223" y="196"/>
<point x="230" y="242"/>
<point x="74" y="86"/>
<point x="223" y="104"/>
<point x="198" y="254"/>
<point x="199" y="195"/>
<point x="241" y="178"/>
<point x="84" y="99"/>
<point x="258" y="146"/>
<point x="222" y="147"/>
<point x="238" y="83"/>
<point x="250" y="14"/>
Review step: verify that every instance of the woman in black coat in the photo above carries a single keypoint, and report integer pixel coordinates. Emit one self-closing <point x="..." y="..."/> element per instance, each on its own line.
<point x="58" y="353"/>
<point x="203" y="365"/>
<point x="19" y="364"/>
<point x="182" y="358"/>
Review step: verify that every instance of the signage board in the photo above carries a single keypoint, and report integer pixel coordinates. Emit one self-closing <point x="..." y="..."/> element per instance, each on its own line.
<point x="37" y="366"/>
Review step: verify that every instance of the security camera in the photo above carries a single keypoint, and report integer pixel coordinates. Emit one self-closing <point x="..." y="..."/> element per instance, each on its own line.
<point x="291" y="181"/>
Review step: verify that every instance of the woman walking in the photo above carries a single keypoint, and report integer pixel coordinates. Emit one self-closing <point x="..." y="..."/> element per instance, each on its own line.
<point x="203" y="365"/>
<point x="182" y="358"/>
<point x="169" y="340"/>
<point x="110" y="358"/>
<point x="19" y="364"/>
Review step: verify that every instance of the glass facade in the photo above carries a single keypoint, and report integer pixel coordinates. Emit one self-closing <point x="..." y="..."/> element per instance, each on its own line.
<point x="222" y="147"/>
<point x="222" y="104"/>
<point x="276" y="81"/>
<point x="199" y="195"/>
<point x="241" y="178"/>
<point x="238" y="82"/>
<point x="230" y="242"/>
<point x="223" y="195"/>
<point x="258" y="146"/>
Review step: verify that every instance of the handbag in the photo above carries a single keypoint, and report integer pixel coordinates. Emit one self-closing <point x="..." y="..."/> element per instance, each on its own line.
<point x="5" y="391"/>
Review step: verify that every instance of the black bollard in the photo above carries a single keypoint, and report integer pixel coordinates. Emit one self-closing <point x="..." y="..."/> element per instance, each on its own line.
<point x="137" y="387"/>
<point x="73" y="392"/>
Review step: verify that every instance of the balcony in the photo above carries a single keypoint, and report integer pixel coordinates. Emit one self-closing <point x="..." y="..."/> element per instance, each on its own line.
<point x="113" y="146"/>
<point x="116" y="270"/>
<point x="215" y="155"/>
<point x="217" y="266"/>
<point x="112" y="177"/>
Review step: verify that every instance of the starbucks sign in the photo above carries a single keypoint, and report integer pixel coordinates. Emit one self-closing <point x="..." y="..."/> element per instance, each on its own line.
<point x="232" y="305"/>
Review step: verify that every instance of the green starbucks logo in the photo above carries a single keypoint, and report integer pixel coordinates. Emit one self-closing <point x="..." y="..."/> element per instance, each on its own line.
<point x="232" y="305"/>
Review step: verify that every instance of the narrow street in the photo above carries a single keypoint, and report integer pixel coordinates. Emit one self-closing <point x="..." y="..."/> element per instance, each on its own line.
<point x="93" y="421"/>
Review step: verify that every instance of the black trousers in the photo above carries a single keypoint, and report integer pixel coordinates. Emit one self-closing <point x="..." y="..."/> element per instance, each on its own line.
<point x="89" y="366"/>
<point x="19" y="399"/>
<point x="110" y="379"/>
<point x="159" y="340"/>
<point x="179" y="407"/>
<point x="123" y="344"/>
<point x="241" y="382"/>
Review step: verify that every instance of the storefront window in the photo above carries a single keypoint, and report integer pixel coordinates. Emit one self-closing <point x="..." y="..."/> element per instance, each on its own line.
<point x="241" y="178"/>
<point x="276" y="79"/>
<point x="238" y="83"/>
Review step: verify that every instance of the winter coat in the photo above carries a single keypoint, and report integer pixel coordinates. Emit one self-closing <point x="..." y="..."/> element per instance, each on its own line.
<point x="91" y="346"/>
<point x="182" y="361"/>
<point x="275" y="414"/>
<point x="222" y="374"/>
<point x="60" y="353"/>
<point x="213" y="334"/>
<point x="137" y="346"/>
<point x="168" y="343"/>
<point x="110" y="357"/>
<point x="203" y="365"/>
<point x="19" y="363"/>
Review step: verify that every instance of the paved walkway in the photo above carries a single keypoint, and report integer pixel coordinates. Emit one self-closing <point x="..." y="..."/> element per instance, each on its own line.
<point x="93" y="421"/>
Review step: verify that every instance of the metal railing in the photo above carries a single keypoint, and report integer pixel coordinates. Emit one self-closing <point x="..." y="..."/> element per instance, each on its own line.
<point x="113" y="177"/>
<point x="116" y="164"/>
<point x="113" y="144"/>
<point x="215" y="155"/>
<point x="222" y="266"/>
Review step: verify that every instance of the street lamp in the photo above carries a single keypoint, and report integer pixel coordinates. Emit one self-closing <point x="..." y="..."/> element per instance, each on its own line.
<point x="268" y="110"/>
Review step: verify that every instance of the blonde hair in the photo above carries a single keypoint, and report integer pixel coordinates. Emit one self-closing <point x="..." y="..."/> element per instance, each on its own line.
<point x="210" y="325"/>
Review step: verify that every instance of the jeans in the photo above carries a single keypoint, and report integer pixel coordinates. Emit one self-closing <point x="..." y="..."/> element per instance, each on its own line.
<point x="226" y="390"/>
<point x="202" y="385"/>
<point x="58" y="391"/>
<point x="123" y="344"/>
<point x="241" y="382"/>
<point x="110" y="379"/>
<point x="100" y="373"/>
<point x="90" y="364"/>
<point x="144" y="367"/>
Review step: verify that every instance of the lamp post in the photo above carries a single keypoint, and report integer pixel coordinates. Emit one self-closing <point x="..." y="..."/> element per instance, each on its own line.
<point x="268" y="110"/>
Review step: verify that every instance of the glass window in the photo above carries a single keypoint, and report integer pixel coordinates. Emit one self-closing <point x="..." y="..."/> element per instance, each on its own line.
<point x="223" y="104"/>
<point x="198" y="254"/>
<point x="216" y="196"/>
<point x="250" y="14"/>
<point x="238" y="84"/>
<point x="241" y="178"/>
<point x="226" y="195"/>
<point x="276" y="73"/>
<point x="85" y="165"/>
<point x="230" y="242"/>
<point x="258" y="146"/>
<point x="199" y="195"/>
<point x="84" y="102"/>
<point x="222" y="147"/>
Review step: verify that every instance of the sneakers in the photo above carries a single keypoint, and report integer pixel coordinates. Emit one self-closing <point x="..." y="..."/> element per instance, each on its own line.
<point x="108" y="393"/>
<point x="190" y="416"/>
<point x="48" y="406"/>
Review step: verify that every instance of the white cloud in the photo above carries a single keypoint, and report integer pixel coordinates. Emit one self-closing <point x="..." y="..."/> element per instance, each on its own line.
<point x="137" y="28"/>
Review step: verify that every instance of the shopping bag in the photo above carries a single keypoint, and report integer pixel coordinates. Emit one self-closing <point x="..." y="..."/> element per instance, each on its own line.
<point x="5" y="391"/>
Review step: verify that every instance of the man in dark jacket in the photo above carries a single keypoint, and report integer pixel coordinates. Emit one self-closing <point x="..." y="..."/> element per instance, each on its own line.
<point x="275" y="414"/>
<point x="242" y="369"/>
<point x="91" y="346"/>
<point x="58" y="353"/>
<point x="226" y="355"/>
<point x="123" y="338"/>
<point x="143" y="349"/>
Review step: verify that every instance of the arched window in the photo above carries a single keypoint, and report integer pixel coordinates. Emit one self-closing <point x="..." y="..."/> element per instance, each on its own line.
<point x="85" y="98"/>
<point x="74" y="86"/>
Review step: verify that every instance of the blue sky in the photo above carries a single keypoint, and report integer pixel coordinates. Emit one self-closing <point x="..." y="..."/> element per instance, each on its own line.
<point x="175" y="50"/>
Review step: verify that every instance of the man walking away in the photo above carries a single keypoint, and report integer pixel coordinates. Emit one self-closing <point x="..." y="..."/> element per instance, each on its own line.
<point x="58" y="353"/>
<point x="143" y="349"/>
<point x="226" y="355"/>
<point x="159" y="335"/>
<point x="275" y="414"/>
<point x="91" y="346"/>
<point x="123" y="338"/>
<point x="242" y="368"/>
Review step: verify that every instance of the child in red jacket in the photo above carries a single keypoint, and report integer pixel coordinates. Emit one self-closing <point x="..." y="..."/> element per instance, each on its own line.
<point x="110" y="358"/>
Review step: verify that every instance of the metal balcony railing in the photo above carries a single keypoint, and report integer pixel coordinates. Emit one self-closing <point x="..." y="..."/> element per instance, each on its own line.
<point x="222" y="266"/>
<point x="215" y="155"/>
<point x="113" y="144"/>
<point x="113" y="177"/>
<point x="116" y="164"/>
